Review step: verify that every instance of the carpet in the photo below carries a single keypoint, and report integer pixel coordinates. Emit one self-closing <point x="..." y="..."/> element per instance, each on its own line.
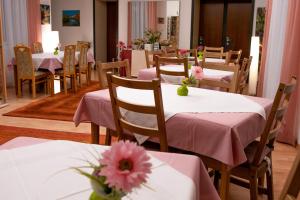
<point x="9" y="132"/>
<point x="57" y="107"/>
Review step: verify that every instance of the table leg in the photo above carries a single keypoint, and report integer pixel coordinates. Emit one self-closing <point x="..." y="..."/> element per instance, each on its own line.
<point x="95" y="133"/>
<point x="51" y="84"/>
<point x="89" y="71"/>
<point x="108" y="137"/>
<point x="225" y="177"/>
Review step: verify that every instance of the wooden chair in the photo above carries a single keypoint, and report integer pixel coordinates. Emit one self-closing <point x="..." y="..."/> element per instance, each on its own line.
<point x="79" y="43"/>
<point x="69" y="69"/>
<point x="259" y="153"/>
<point x="122" y="125"/>
<point x="243" y="75"/>
<point x="150" y="57"/>
<point x="291" y="187"/>
<point x="26" y="70"/>
<point x="82" y="67"/>
<point x="213" y="52"/>
<point x="170" y="52"/>
<point x="234" y="56"/>
<point x="178" y="61"/>
<point x="227" y="86"/>
<point x="37" y="47"/>
<point x="192" y="55"/>
<point x="115" y="67"/>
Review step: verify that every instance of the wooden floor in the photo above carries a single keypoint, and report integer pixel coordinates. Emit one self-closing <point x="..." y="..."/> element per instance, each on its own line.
<point x="282" y="158"/>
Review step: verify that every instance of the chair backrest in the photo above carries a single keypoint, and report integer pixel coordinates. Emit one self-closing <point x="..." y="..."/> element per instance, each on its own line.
<point x="229" y="86"/>
<point x="244" y="75"/>
<point x="274" y="121"/>
<point x="23" y="58"/>
<point x="213" y="52"/>
<point x="192" y="55"/>
<point x="83" y="62"/>
<point x="121" y="68"/>
<point x="69" y="60"/>
<point x="37" y="47"/>
<point x="291" y="187"/>
<point x="234" y="56"/>
<point x="177" y="61"/>
<point x="150" y="57"/>
<point x="122" y="124"/>
<point x="79" y="43"/>
<point x="170" y="52"/>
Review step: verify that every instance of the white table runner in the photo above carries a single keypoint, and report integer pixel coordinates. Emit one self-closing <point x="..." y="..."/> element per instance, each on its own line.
<point x="42" y="172"/>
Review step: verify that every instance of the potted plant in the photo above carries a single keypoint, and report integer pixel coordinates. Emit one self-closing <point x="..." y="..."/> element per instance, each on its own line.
<point x="151" y="37"/>
<point x="138" y="43"/>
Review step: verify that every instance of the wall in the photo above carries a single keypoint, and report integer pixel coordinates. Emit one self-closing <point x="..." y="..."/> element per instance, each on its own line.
<point x="184" y="24"/>
<point x="162" y="12"/>
<point x="67" y="34"/>
<point x="257" y="4"/>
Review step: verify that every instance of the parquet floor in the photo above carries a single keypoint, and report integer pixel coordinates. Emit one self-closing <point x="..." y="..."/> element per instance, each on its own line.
<point x="283" y="155"/>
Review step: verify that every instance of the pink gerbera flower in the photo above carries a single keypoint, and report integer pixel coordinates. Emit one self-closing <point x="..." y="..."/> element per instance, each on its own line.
<point x="197" y="72"/>
<point x="125" y="166"/>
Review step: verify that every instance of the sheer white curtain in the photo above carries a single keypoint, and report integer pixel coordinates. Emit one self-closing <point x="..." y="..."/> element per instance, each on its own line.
<point x="139" y="13"/>
<point x="14" y="29"/>
<point x="275" y="47"/>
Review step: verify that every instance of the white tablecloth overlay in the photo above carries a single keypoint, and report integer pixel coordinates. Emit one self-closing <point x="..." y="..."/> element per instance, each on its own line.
<point x="208" y="73"/>
<point x="198" y="101"/>
<point x="213" y="60"/>
<point x="38" y="58"/>
<point x="43" y="172"/>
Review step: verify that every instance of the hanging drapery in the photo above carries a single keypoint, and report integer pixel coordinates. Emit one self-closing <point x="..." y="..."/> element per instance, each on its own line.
<point x="291" y="67"/>
<point x="142" y="15"/>
<point x="264" y="48"/>
<point x="275" y="48"/>
<point x="14" y="30"/>
<point x="34" y="21"/>
<point x="152" y="15"/>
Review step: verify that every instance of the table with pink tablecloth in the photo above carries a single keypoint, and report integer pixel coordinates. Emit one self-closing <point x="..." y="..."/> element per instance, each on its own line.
<point x="190" y="166"/>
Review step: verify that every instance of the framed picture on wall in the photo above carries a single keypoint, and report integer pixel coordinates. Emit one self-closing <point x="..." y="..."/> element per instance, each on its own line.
<point x="260" y="22"/>
<point x="45" y="14"/>
<point x="71" y="18"/>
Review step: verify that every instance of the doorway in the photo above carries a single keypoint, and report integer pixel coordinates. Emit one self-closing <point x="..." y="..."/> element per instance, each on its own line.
<point x="226" y="23"/>
<point x="105" y="30"/>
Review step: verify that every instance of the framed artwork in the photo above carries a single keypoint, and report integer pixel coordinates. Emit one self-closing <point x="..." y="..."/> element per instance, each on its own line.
<point x="45" y="14"/>
<point x="260" y="22"/>
<point x="161" y="20"/>
<point x="71" y="18"/>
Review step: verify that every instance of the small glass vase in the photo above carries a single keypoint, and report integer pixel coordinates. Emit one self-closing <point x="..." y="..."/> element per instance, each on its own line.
<point x="55" y="52"/>
<point x="182" y="90"/>
<point x="94" y="196"/>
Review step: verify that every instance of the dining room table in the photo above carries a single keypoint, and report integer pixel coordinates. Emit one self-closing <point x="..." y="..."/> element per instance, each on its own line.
<point x="41" y="169"/>
<point x="212" y="74"/>
<point x="50" y="62"/>
<point x="215" y="125"/>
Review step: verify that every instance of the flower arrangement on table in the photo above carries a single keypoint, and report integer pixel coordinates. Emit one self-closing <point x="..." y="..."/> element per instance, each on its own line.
<point x="56" y="49"/>
<point x="120" y="46"/>
<point x="152" y="36"/>
<point x="138" y="43"/>
<point x="200" y="51"/>
<point x="184" y="53"/>
<point x="183" y="89"/>
<point x="122" y="168"/>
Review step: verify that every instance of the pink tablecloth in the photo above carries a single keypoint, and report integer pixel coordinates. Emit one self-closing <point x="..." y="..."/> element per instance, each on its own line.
<point x="190" y="166"/>
<point x="222" y="136"/>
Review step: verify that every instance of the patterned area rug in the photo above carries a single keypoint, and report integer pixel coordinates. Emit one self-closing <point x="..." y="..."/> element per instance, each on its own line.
<point x="58" y="107"/>
<point x="9" y="132"/>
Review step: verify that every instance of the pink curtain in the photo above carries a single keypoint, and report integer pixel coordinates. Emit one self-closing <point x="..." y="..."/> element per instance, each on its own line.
<point x="264" y="48"/>
<point x="34" y="21"/>
<point x="152" y="15"/>
<point x="291" y="67"/>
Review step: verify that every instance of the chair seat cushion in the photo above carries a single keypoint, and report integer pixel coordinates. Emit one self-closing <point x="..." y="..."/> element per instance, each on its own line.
<point x="250" y="151"/>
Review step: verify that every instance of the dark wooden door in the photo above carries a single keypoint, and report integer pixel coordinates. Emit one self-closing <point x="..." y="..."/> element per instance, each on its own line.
<point x="211" y="23"/>
<point x="112" y="29"/>
<point x="221" y="20"/>
<point x="239" y="26"/>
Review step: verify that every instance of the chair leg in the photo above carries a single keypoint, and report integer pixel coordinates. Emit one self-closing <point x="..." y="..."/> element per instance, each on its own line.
<point x="65" y="85"/>
<point x="261" y="183"/>
<point x="107" y="137"/>
<point x="79" y="74"/>
<point x="33" y="86"/>
<point x="269" y="176"/>
<point x="19" y="88"/>
<point x="253" y="188"/>
<point x="217" y="177"/>
<point x="87" y="77"/>
<point x="75" y="83"/>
